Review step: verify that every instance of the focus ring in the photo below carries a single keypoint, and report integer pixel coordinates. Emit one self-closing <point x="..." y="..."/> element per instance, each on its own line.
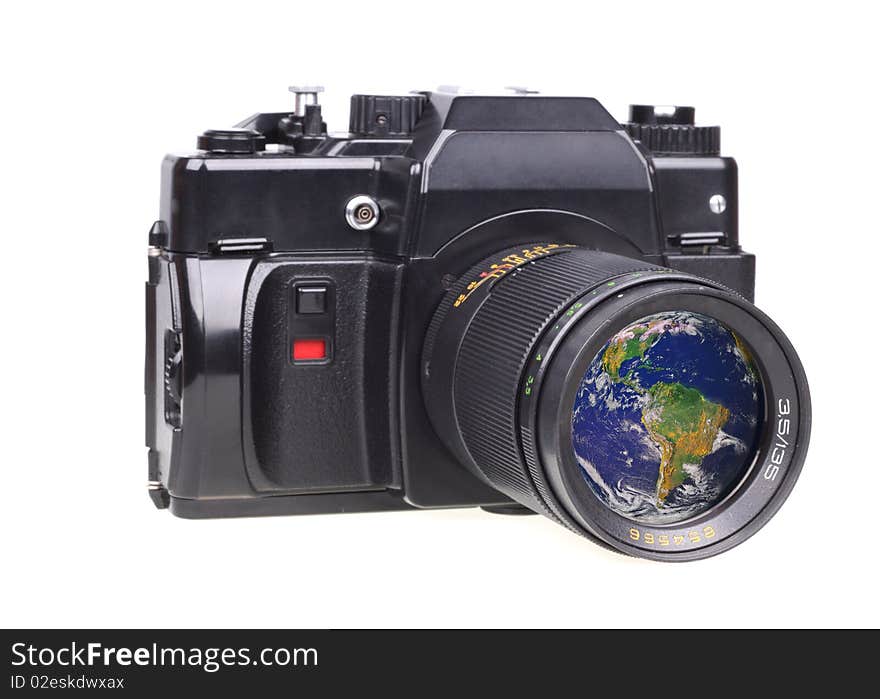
<point x="496" y="348"/>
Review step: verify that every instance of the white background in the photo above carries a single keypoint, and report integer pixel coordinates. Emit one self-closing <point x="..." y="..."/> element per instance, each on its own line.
<point x="95" y="94"/>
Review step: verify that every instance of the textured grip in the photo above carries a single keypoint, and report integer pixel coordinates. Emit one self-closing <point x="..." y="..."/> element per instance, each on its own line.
<point x="385" y="115"/>
<point x="677" y="139"/>
<point x="496" y="348"/>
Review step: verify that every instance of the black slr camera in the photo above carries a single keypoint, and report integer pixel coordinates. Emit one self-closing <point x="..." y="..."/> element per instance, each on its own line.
<point x="513" y="302"/>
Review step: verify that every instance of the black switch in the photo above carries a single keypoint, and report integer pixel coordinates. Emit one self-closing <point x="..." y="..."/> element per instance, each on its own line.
<point x="311" y="300"/>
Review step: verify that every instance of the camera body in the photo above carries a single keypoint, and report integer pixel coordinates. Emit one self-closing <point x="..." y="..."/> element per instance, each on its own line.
<point x="293" y="276"/>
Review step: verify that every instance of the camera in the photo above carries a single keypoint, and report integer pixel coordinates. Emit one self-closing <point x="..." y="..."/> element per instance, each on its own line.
<point x="508" y="301"/>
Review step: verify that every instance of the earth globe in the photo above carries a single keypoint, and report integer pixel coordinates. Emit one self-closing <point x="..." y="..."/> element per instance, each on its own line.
<point x="667" y="418"/>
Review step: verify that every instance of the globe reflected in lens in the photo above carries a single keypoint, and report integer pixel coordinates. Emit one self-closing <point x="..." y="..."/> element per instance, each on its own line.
<point x="667" y="418"/>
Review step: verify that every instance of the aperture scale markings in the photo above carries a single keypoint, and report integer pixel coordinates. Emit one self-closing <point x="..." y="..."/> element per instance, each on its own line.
<point x="567" y="317"/>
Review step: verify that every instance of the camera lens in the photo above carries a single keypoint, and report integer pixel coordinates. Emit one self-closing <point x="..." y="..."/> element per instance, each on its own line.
<point x="652" y="411"/>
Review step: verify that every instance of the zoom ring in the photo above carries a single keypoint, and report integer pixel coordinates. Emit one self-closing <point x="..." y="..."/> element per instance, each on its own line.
<point x="494" y="353"/>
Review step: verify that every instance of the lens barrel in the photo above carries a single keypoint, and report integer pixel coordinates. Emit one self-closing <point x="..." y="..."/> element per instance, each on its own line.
<point x="505" y="359"/>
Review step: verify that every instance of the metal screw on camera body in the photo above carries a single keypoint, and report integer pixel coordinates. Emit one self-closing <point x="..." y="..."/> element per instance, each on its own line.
<point x="362" y="212"/>
<point x="717" y="204"/>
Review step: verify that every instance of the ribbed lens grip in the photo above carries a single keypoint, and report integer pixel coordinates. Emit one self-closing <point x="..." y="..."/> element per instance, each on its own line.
<point x="495" y="348"/>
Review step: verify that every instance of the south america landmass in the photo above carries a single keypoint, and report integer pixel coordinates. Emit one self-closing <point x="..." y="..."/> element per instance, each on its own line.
<point x="680" y="420"/>
<point x="684" y="425"/>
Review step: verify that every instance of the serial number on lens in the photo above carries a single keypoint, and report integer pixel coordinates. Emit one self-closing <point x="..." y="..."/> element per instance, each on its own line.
<point x="694" y="536"/>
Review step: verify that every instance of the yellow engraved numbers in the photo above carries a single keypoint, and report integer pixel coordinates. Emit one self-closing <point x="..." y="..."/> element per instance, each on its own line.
<point x="693" y="536"/>
<point x="532" y="253"/>
<point x="505" y="265"/>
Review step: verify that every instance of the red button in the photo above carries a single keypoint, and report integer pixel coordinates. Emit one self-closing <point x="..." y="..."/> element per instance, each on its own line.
<point x="311" y="348"/>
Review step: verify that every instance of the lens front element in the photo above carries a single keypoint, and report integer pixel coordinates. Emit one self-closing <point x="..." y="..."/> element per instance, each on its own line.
<point x="666" y="419"/>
